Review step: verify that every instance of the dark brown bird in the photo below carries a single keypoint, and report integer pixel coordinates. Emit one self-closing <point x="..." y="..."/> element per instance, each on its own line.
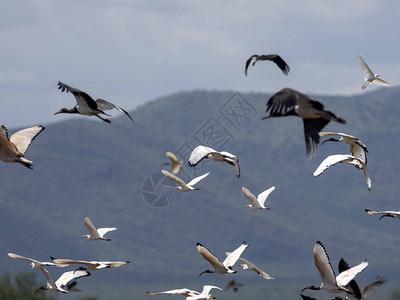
<point x="272" y="57"/>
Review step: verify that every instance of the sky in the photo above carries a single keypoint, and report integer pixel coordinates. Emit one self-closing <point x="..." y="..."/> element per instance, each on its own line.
<point x="130" y="52"/>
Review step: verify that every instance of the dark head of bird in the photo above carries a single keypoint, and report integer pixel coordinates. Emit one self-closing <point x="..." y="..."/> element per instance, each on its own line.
<point x="206" y="271"/>
<point x="386" y="215"/>
<point x="311" y="287"/>
<point x="66" y="111"/>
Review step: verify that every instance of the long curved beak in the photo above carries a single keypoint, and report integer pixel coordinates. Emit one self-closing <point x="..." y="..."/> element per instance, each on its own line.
<point x="330" y="139"/>
<point x="386" y="215"/>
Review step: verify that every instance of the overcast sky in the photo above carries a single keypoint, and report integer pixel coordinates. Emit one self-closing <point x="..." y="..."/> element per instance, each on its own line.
<point x="129" y="52"/>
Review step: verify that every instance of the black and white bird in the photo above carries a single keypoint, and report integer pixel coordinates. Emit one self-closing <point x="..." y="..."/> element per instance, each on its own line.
<point x="252" y="267"/>
<point x="61" y="282"/>
<point x="384" y="213"/>
<point x="357" y="148"/>
<point x="86" y="105"/>
<point x="257" y="203"/>
<point x="36" y="263"/>
<point x="330" y="282"/>
<point x="184" y="187"/>
<point x="202" y="152"/>
<point x="187" y="292"/>
<point x="289" y="102"/>
<point x="370" y="77"/>
<point x="174" y="161"/>
<point x="96" y="234"/>
<point x="354" y="292"/>
<point x="90" y="265"/>
<point x="13" y="149"/>
<point x="272" y="57"/>
<point x="219" y="267"/>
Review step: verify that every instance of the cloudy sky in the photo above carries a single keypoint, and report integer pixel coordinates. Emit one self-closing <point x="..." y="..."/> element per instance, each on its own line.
<point x="130" y="52"/>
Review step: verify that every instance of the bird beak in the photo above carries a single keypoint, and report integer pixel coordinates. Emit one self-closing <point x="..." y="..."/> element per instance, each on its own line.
<point x="268" y="116"/>
<point x="57" y="112"/>
<point x="202" y="273"/>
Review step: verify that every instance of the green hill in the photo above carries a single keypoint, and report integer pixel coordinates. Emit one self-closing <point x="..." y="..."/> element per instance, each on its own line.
<point x="84" y="167"/>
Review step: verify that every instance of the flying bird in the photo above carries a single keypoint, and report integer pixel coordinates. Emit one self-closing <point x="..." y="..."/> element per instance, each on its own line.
<point x="232" y="284"/>
<point x="219" y="267"/>
<point x="344" y="158"/>
<point x="96" y="234"/>
<point x="272" y="57"/>
<point x="357" y="148"/>
<point x="354" y="292"/>
<point x="174" y="161"/>
<point x="289" y="102"/>
<point x="86" y="105"/>
<point x="188" y="293"/>
<point x="35" y="263"/>
<point x="90" y="265"/>
<point x="184" y="187"/>
<point x="61" y="282"/>
<point x="257" y="203"/>
<point x="330" y="282"/>
<point x="370" y="77"/>
<point x="202" y="152"/>
<point x="205" y="294"/>
<point x="251" y="267"/>
<point x="13" y="149"/>
<point x="384" y="213"/>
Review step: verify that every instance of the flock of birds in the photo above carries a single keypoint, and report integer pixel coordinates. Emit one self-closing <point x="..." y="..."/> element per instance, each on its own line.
<point x="286" y="102"/>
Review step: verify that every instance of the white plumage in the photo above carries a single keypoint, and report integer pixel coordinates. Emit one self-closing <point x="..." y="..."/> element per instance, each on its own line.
<point x="35" y="263"/>
<point x="370" y="77"/>
<point x="384" y="213"/>
<point x="252" y="267"/>
<point x="90" y="265"/>
<point x="257" y="203"/>
<point x="330" y="282"/>
<point x="175" y="163"/>
<point x="13" y="150"/>
<point x="184" y="187"/>
<point x="205" y="293"/>
<point x="61" y="282"/>
<point x="187" y="292"/>
<point x="219" y="267"/>
<point x="96" y="234"/>
<point x="202" y="152"/>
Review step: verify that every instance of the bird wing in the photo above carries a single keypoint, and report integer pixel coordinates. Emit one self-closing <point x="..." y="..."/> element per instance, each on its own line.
<point x="82" y="99"/>
<point x="282" y="101"/>
<point x="366" y="175"/>
<point x="346" y="276"/>
<point x="105" y="105"/>
<point x="174" y="178"/>
<point x="23" y="138"/>
<point x="306" y="297"/>
<point x="73" y="261"/>
<point x="248" y="63"/>
<point x="264" y="195"/>
<point x="367" y="290"/>
<point x="198" y="154"/>
<point x="381" y="82"/>
<point x="372" y="212"/>
<point x="115" y="264"/>
<point x="103" y="231"/>
<point x="352" y="286"/>
<point x="12" y="255"/>
<point x="93" y="231"/>
<point x="311" y="128"/>
<point x="207" y="288"/>
<point x="367" y="71"/>
<point x="251" y="197"/>
<point x="210" y="257"/>
<point x="278" y="61"/>
<point x="330" y="161"/>
<point x="197" y="179"/>
<point x="49" y="278"/>
<point x="323" y="264"/>
<point x="66" y="277"/>
<point x="255" y="269"/>
<point x="184" y="292"/>
<point x="232" y="258"/>
<point x="175" y="162"/>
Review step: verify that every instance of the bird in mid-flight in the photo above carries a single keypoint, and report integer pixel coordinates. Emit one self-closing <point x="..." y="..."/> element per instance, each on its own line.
<point x="272" y="57"/>
<point x="370" y="77"/>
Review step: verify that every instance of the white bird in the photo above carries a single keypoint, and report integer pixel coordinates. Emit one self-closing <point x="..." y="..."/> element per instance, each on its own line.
<point x="251" y="267"/>
<point x="205" y="294"/>
<point x="35" y="263"/>
<point x="344" y="158"/>
<point x="330" y="282"/>
<point x="219" y="267"/>
<point x="370" y="77"/>
<point x="61" y="282"/>
<point x="185" y="291"/>
<point x="354" y="292"/>
<point x="13" y="149"/>
<point x="90" y="265"/>
<point x="175" y="163"/>
<point x="257" y="203"/>
<point x="184" y="187"/>
<point x="96" y="234"/>
<point x="202" y="152"/>
<point x="384" y="213"/>
<point x="86" y="105"/>
<point x="357" y="148"/>
<point x="289" y="102"/>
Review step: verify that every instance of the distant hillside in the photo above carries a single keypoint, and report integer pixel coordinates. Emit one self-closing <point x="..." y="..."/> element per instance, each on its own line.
<point x="86" y="167"/>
